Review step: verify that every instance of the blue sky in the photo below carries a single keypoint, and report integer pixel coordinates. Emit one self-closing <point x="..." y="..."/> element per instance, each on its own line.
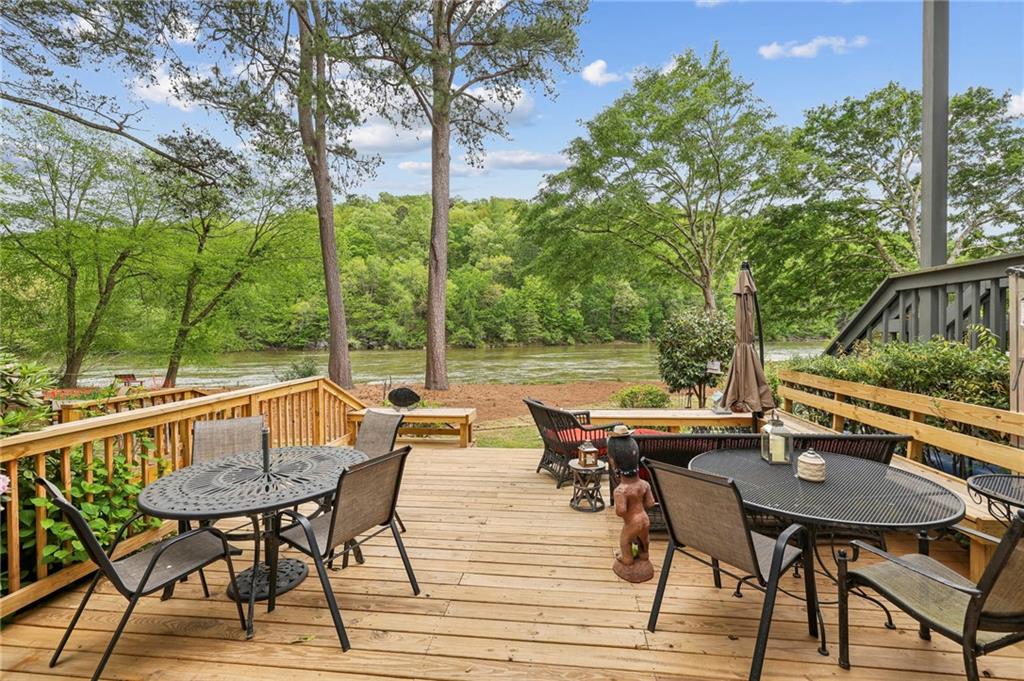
<point x="797" y="54"/>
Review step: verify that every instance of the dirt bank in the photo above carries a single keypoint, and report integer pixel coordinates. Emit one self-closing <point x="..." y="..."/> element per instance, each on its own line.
<point x="495" y="402"/>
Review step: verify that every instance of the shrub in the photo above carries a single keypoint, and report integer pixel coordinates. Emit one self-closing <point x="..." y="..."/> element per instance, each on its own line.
<point x="642" y="397"/>
<point x="304" y="367"/>
<point x="687" y="343"/>
<point x="22" y="406"/>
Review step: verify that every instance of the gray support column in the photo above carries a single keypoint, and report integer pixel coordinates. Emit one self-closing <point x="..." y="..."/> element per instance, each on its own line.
<point x="934" y="152"/>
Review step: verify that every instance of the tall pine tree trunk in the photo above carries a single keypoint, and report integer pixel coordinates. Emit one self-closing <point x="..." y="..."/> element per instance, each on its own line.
<point x="72" y="359"/>
<point x="313" y="130"/>
<point x="440" y="176"/>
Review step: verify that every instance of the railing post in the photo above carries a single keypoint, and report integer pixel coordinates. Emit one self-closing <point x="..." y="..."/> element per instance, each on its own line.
<point x="838" y="421"/>
<point x="1015" y="302"/>
<point x="915" y="450"/>
<point x="319" y="412"/>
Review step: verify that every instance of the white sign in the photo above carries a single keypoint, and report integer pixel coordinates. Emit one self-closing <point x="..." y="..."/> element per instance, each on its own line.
<point x="715" y="367"/>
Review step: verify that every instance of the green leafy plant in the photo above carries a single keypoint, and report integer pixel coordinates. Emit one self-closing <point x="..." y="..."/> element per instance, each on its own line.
<point x="642" y="397"/>
<point x="304" y="367"/>
<point x="687" y="343"/>
<point x="22" y="406"/>
<point x="107" y="503"/>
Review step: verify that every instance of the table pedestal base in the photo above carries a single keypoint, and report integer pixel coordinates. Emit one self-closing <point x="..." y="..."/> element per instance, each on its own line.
<point x="290" y="573"/>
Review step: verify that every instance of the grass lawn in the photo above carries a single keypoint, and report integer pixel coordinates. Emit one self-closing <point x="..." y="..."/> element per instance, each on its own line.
<point x="516" y="436"/>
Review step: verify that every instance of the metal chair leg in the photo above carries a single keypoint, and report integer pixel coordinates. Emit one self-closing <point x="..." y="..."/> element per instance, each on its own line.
<point x="844" y="612"/>
<point x="666" y="566"/>
<point x="716" y="573"/>
<point x="815" y="621"/>
<point x="922" y="547"/>
<point x="405" y="559"/>
<point x="251" y="619"/>
<point x="74" y="620"/>
<point x="757" y="663"/>
<point x="332" y="603"/>
<point x="231" y="576"/>
<point x="113" y="639"/>
<point x="401" y="525"/>
<point x="202" y="580"/>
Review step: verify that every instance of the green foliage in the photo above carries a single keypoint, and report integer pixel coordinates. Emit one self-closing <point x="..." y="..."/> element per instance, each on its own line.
<point x="642" y="397"/>
<point x="939" y="368"/>
<point x="106" y="505"/>
<point x="670" y="173"/>
<point x="22" y="406"/>
<point x="687" y="343"/>
<point x="304" y="367"/>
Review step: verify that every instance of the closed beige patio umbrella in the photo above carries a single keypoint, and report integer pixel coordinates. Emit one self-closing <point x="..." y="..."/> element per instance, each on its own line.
<point x="746" y="388"/>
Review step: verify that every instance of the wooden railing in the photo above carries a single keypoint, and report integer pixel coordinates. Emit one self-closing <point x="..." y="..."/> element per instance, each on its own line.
<point x="847" y="400"/>
<point x="73" y="410"/>
<point x="151" y="441"/>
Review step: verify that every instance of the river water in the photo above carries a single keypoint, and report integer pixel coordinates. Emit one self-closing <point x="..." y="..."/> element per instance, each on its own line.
<point x="531" y="364"/>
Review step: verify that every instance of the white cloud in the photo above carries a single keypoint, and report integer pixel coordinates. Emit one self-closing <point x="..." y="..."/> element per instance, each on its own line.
<point x="502" y="159"/>
<point x="596" y="73"/>
<point x="708" y="3"/>
<point x="187" y="33"/>
<point x="1016" y="106"/>
<point x="521" y="112"/>
<point x="810" y="49"/>
<point x="159" y="88"/>
<point x="423" y="168"/>
<point x="520" y="159"/>
<point x="380" y="137"/>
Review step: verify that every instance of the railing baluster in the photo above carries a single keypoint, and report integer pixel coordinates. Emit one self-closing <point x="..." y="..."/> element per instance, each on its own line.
<point x="87" y="460"/>
<point x="108" y="457"/>
<point x="65" y="470"/>
<point x="13" y="528"/>
<point x="975" y="311"/>
<point x="40" y="517"/>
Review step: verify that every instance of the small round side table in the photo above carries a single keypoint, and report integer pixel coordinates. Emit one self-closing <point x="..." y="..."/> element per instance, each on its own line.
<point x="586" y="487"/>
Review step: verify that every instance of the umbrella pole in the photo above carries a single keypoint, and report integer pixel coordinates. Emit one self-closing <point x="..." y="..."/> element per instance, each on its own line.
<point x="757" y="315"/>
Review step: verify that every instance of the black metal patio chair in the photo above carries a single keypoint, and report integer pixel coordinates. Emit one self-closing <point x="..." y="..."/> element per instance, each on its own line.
<point x="365" y="500"/>
<point x="142" y="573"/>
<point x="563" y="432"/>
<point x="705" y="513"/>
<point x="981" y="617"/>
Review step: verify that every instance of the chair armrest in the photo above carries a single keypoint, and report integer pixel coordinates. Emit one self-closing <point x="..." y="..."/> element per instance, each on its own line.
<point x="976" y="534"/>
<point x="582" y="415"/>
<point x="174" y="540"/>
<point x="303" y="522"/>
<point x="859" y="545"/>
<point x="780" y="546"/>
<point x="120" y="533"/>
<point x="607" y="426"/>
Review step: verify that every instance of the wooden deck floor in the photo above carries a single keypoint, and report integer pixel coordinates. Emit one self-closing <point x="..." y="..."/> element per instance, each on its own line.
<point x="515" y="586"/>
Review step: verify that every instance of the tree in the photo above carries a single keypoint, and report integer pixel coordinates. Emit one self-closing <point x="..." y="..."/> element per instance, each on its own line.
<point x="81" y="212"/>
<point x="863" y="164"/>
<point x="670" y="170"/>
<point x="287" y="93"/>
<point x="231" y="225"/>
<point x="688" y="342"/>
<point x="459" y="65"/>
<point x="45" y="43"/>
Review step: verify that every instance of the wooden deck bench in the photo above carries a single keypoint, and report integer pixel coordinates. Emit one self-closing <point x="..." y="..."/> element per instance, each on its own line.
<point x="429" y="421"/>
<point x="977" y="516"/>
<point x="672" y="419"/>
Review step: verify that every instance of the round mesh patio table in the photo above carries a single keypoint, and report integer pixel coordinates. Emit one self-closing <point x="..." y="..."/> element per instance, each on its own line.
<point x="237" y="486"/>
<point x="856" y="493"/>
<point x="1002" y="491"/>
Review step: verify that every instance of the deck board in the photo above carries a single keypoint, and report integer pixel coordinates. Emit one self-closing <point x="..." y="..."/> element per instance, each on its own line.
<point x="515" y="585"/>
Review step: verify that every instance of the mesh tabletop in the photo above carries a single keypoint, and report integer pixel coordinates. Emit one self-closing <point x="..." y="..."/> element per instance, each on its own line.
<point x="856" y="492"/>
<point x="1005" y="487"/>
<point x="237" y="486"/>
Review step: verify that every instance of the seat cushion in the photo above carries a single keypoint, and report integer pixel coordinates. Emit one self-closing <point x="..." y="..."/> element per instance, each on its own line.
<point x="940" y="605"/>
<point x="296" y="536"/>
<point x="764" y="547"/>
<point x="577" y="436"/>
<point x="182" y="558"/>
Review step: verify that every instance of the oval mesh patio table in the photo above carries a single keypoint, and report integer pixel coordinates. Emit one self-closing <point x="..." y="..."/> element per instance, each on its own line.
<point x="857" y="493"/>
<point x="1002" y="491"/>
<point x="237" y="486"/>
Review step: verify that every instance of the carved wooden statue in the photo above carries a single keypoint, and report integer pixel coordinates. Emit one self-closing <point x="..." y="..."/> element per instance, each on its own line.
<point x="633" y="497"/>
